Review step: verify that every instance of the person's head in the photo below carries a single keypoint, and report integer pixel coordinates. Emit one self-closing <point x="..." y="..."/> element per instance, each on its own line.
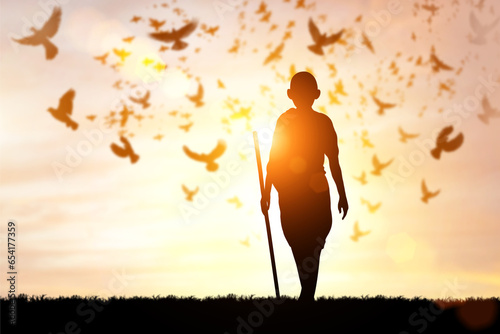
<point x="303" y="90"/>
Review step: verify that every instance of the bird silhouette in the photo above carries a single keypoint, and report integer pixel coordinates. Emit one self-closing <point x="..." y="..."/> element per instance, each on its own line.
<point x="443" y="144"/>
<point x="361" y="178"/>
<point x="158" y="137"/>
<point x="121" y="53"/>
<point x="438" y="64"/>
<point x="235" y="200"/>
<point x="176" y="35"/>
<point x="197" y="99"/>
<point x="220" y="84"/>
<point x="41" y="37"/>
<point x="404" y="135"/>
<point x="189" y="193"/>
<point x="245" y="242"/>
<point x="320" y="40"/>
<point x="186" y="127"/>
<point x="64" y="109"/>
<point x="479" y="29"/>
<point x="275" y="54"/>
<point x="371" y="207"/>
<point x="102" y="58"/>
<point x="358" y="233"/>
<point x="382" y="105"/>
<point x="125" y="151"/>
<point x="91" y="117"/>
<point x="426" y="194"/>
<point x="156" y="23"/>
<point x="209" y="159"/>
<point x="135" y="19"/>
<point x="125" y="113"/>
<point x="431" y="8"/>
<point x="142" y="101"/>
<point x="378" y="166"/>
<point x="128" y="39"/>
<point x="488" y="111"/>
<point x="243" y="113"/>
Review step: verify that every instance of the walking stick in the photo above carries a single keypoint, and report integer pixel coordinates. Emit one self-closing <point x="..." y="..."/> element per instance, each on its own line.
<point x="266" y="215"/>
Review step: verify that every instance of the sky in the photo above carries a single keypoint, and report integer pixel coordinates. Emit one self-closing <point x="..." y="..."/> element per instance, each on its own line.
<point x="89" y="222"/>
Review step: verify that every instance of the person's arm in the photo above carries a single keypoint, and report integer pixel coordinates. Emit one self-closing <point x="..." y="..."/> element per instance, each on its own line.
<point x="333" y="160"/>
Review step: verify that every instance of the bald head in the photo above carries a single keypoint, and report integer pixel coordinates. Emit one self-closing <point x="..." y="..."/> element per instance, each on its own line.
<point x="303" y="90"/>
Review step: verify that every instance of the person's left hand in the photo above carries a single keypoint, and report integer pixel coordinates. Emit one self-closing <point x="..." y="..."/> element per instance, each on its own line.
<point x="343" y="205"/>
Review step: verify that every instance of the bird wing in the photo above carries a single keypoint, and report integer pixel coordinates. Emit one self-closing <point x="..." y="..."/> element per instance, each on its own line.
<point x="136" y="100"/>
<point x="145" y="98"/>
<point x="125" y="142"/>
<point x="52" y="25"/>
<point x="377" y="101"/>
<point x="66" y="102"/>
<point x="474" y="23"/>
<point x="333" y="38"/>
<point x="425" y="191"/>
<point x="454" y="144"/>
<point x="488" y="110"/>
<point x="185" y="189"/>
<point x="218" y="150"/>
<point x="163" y="36"/>
<point x="376" y="162"/>
<point x="119" y="151"/>
<point x="187" y="29"/>
<point x="443" y="135"/>
<point x="192" y="155"/>
<point x="314" y="31"/>
<point x="200" y="91"/>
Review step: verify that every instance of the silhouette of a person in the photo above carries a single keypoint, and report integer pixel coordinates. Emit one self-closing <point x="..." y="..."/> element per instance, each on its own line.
<point x="301" y="140"/>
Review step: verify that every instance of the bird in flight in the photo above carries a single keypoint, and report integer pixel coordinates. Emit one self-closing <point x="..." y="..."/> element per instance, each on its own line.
<point x="197" y="99"/>
<point x="488" y="111"/>
<point x="275" y="55"/>
<point x="102" y="58"/>
<point x="361" y="178"/>
<point x="358" y="233"/>
<point x="245" y="242"/>
<point x="443" y="144"/>
<point x="243" y="113"/>
<point x="371" y="207"/>
<point x="378" y="166"/>
<point x="189" y="193"/>
<point x="186" y="127"/>
<point x="480" y="30"/>
<point x="156" y="23"/>
<point x="236" y="201"/>
<point x="209" y="158"/>
<point x="438" y="64"/>
<point x="175" y="35"/>
<point x="404" y="135"/>
<point x="320" y="40"/>
<point x="121" y="53"/>
<point x="135" y="19"/>
<point x="125" y="113"/>
<point x="142" y="101"/>
<point x="382" y="105"/>
<point x="64" y="109"/>
<point x="41" y="37"/>
<point x="125" y="151"/>
<point x="426" y="194"/>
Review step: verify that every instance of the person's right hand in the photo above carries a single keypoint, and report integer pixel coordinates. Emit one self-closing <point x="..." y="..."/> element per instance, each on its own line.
<point x="265" y="202"/>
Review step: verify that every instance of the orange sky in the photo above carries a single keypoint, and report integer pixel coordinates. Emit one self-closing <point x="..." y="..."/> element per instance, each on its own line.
<point x="102" y="215"/>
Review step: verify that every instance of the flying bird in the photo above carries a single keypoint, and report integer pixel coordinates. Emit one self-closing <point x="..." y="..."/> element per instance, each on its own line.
<point x="438" y="64"/>
<point x="125" y="113"/>
<point x="125" y="151"/>
<point x="479" y="29"/>
<point x="382" y="105"/>
<point x="64" y="109"/>
<point x="186" y="127"/>
<point x="156" y="23"/>
<point x="197" y="99"/>
<point x="404" y="136"/>
<point x="378" y="166"/>
<point x="443" y="144"/>
<point x="371" y="207"/>
<point x="488" y="111"/>
<point x="362" y="178"/>
<point x="189" y="193"/>
<point x="235" y="200"/>
<point x="245" y="242"/>
<point x="41" y="37"/>
<point x="142" y="101"/>
<point x="102" y="58"/>
<point x="209" y="159"/>
<point x="175" y="35"/>
<point x="321" y="40"/>
<point x="358" y="233"/>
<point x="275" y="55"/>
<point x="135" y="19"/>
<point x="426" y="194"/>
<point x="121" y="53"/>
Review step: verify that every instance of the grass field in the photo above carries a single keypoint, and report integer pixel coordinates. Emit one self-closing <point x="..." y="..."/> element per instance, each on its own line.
<point x="234" y="314"/>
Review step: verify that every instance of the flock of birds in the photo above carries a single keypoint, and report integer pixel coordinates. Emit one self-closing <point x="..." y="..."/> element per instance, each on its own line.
<point x="323" y="44"/>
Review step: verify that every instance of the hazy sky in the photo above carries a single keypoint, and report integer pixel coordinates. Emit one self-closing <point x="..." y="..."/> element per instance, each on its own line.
<point x="85" y="215"/>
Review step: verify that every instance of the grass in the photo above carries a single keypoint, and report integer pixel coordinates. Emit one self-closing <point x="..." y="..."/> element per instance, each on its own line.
<point x="250" y="314"/>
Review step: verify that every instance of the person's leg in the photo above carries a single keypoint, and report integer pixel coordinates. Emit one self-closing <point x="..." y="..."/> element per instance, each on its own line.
<point x="307" y="262"/>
